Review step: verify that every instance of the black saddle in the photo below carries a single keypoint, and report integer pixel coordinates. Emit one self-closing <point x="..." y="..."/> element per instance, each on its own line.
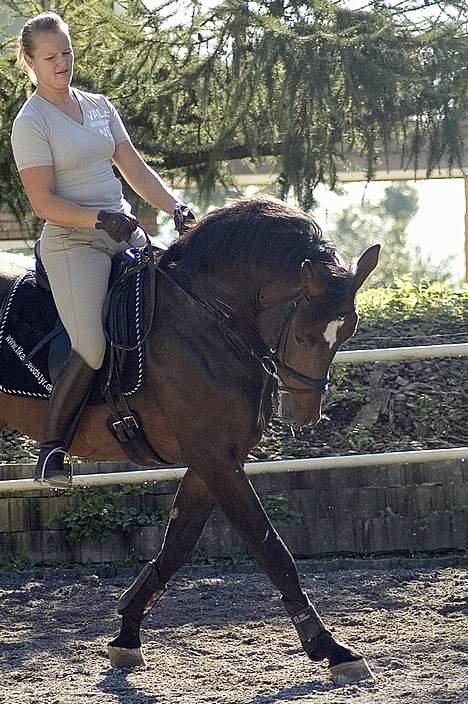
<point x="34" y="343"/>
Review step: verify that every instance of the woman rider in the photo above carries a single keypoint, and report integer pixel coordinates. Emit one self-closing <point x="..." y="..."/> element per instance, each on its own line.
<point x="64" y="143"/>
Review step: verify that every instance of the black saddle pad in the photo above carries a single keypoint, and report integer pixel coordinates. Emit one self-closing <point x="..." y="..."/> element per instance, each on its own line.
<point x="34" y="344"/>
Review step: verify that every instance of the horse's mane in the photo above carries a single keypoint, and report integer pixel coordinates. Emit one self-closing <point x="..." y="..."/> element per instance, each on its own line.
<point x="260" y="233"/>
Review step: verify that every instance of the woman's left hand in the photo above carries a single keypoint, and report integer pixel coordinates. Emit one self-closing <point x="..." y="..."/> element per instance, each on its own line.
<point x="117" y="225"/>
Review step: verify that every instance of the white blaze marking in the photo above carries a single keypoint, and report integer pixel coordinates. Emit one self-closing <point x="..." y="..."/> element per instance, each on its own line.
<point x="331" y="332"/>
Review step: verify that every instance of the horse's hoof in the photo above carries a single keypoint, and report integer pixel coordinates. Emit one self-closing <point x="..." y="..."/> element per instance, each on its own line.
<point x="121" y="658"/>
<point x="352" y="671"/>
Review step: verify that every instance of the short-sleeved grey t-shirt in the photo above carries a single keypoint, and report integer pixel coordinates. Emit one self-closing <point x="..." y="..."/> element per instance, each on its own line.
<point x="81" y="155"/>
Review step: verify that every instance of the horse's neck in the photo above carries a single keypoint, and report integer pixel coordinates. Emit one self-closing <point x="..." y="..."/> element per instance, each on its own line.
<point x="227" y="294"/>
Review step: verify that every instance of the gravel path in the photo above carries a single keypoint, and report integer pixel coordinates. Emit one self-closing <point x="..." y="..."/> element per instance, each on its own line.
<point x="224" y="639"/>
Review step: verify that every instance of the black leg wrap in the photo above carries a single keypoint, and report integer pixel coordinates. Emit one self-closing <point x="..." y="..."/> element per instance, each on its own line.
<point x="144" y="592"/>
<point x="309" y="626"/>
<point x="306" y="620"/>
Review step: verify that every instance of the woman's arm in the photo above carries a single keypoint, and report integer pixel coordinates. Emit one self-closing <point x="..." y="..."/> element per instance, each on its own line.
<point x="143" y="179"/>
<point x="39" y="184"/>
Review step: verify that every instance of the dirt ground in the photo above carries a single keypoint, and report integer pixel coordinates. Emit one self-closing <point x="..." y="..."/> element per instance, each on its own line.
<point x="221" y="637"/>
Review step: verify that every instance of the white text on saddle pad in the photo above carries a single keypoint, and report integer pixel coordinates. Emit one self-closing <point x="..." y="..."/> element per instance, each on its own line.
<point x="39" y="376"/>
<point x="331" y="331"/>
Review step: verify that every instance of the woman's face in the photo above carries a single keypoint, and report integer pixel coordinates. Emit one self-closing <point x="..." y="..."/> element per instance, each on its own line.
<point x="52" y="60"/>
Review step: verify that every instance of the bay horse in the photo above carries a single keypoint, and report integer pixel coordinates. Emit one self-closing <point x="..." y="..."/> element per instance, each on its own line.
<point x="252" y="305"/>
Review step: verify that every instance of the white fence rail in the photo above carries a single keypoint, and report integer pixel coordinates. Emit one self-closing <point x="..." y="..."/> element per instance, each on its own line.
<point x="253" y="468"/>
<point x="302" y="465"/>
<point x="398" y="354"/>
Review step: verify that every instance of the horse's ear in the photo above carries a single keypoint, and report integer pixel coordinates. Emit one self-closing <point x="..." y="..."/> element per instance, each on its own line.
<point x="366" y="265"/>
<point x="311" y="279"/>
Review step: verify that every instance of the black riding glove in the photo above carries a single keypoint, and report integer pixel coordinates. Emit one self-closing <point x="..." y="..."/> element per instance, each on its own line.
<point x="117" y="225"/>
<point x="182" y="216"/>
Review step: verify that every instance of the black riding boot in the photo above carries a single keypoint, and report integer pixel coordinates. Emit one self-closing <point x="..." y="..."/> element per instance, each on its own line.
<point x="68" y="399"/>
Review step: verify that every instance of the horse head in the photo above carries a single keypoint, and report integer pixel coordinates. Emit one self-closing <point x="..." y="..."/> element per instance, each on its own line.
<point x="269" y="269"/>
<point x="319" y="323"/>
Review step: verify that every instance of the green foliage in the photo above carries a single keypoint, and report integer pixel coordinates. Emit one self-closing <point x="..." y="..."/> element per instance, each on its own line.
<point x="386" y="222"/>
<point x="424" y="407"/>
<point x="435" y="301"/>
<point x="17" y="562"/>
<point x="97" y="513"/>
<point x="236" y="556"/>
<point x="400" y="202"/>
<point x="300" y="83"/>
<point x="277" y="508"/>
<point x="359" y="438"/>
<point x="342" y="390"/>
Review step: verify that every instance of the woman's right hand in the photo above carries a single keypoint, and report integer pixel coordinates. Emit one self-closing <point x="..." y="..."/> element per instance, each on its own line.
<point x="182" y="216"/>
<point x="117" y="225"/>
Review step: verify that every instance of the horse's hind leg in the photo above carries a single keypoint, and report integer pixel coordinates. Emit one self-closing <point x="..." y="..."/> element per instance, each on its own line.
<point x="190" y="510"/>
<point x="235" y="495"/>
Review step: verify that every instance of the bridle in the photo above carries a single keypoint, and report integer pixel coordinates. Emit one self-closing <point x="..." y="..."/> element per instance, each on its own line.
<point x="272" y="360"/>
<point x="275" y="362"/>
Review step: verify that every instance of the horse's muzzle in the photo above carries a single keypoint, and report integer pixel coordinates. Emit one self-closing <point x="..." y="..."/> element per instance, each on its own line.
<point x="298" y="411"/>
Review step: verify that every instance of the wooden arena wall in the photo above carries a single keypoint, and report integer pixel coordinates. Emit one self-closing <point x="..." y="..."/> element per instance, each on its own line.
<point x="363" y="511"/>
<point x="9" y="228"/>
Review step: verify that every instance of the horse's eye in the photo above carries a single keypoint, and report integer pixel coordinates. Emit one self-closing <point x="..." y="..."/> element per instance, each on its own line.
<point x="300" y="341"/>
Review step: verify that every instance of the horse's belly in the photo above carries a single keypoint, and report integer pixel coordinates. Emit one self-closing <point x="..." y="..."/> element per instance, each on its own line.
<point x="93" y="440"/>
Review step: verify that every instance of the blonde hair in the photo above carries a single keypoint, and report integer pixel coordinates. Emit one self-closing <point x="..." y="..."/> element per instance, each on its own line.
<point x="45" y="22"/>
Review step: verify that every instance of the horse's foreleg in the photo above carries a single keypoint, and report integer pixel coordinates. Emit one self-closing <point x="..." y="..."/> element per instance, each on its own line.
<point x="190" y="510"/>
<point x="236" y="497"/>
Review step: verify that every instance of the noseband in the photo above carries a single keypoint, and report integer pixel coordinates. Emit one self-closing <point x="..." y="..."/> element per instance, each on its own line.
<point x="275" y="362"/>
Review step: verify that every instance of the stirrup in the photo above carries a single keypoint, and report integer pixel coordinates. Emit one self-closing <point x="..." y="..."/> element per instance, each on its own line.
<point x="60" y="480"/>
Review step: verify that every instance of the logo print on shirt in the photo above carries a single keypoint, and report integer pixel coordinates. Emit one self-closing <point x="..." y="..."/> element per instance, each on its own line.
<point x="99" y="121"/>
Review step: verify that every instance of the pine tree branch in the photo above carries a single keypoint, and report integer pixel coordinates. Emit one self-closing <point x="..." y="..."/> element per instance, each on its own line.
<point x="163" y="158"/>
